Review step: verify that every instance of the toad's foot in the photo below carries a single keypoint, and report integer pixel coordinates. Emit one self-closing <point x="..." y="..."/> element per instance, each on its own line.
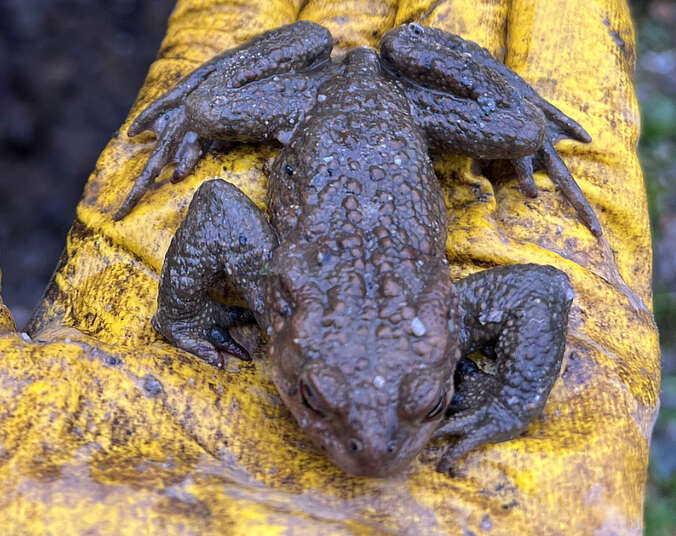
<point x="561" y="177"/>
<point x="175" y="142"/>
<point x="207" y="335"/>
<point x="474" y="417"/>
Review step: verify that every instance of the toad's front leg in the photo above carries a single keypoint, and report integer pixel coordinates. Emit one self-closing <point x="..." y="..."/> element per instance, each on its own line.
<point x="519" y="314"/>
<point x="224" y="236"/>
<point x="256" y="92"/>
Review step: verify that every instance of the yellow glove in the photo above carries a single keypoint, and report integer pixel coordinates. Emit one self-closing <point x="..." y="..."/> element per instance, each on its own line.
<point x="107" y="429"/>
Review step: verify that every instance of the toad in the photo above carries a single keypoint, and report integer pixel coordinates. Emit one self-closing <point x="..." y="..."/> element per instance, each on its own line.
<point x="367" y="335"/>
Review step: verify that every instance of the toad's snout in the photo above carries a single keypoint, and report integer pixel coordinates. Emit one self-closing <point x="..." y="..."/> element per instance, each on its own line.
<point x="370" y="458"/>
<point x="374" y="455"/>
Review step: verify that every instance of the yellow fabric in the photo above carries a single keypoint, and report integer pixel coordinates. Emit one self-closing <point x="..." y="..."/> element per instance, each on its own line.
<point x="6" y="320"/>
<point x="105" y="429"/>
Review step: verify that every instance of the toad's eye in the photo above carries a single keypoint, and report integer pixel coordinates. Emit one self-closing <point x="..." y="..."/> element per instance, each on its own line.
<point x="438" y="408"/>
<point x="309" y="398"/>
<point x="415" y="28"/>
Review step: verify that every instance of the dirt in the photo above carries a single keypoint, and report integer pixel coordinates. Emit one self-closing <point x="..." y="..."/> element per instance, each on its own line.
<point x="69" y="71"/>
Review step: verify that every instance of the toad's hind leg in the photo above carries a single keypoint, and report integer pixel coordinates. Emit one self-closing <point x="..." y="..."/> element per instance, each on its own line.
<point x="519" y="314"/>
<point x="224" y="235"/>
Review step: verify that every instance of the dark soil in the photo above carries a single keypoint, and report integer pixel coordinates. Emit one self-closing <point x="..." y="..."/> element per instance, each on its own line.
<point x="69" y="71"/>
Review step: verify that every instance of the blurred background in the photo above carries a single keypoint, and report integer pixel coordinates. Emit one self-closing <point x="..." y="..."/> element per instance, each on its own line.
<point x="70" y="69"/>
<point x="656" y="87"/>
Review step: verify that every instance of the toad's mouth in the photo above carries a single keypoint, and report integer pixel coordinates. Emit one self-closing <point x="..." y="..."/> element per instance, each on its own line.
<point x="365" y="457"/>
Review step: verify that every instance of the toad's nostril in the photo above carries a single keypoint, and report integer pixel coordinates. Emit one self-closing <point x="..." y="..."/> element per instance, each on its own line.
<point x="356" y="445"/>
<point x="391" y="447"/>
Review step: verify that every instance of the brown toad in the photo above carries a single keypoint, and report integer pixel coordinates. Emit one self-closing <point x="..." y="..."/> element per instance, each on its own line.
<point x="367" y="333"/>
